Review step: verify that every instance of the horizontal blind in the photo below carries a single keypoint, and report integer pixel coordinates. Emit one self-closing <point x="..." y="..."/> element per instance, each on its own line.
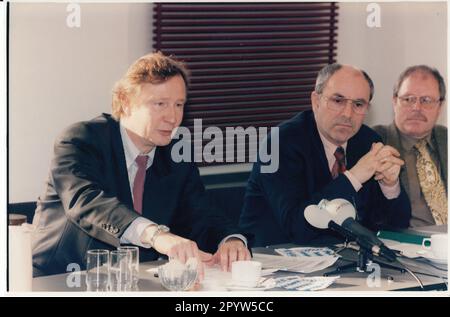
<point x="252" y="64"/>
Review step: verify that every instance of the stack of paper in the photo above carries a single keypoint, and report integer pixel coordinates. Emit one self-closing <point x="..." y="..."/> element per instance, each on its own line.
<point x="301" y="260"/>
<point x="306" y="252"/>
<point x="298" y="283"/>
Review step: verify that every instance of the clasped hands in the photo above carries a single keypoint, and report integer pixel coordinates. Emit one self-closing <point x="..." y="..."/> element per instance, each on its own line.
<point x="382" y="161"/>
<point x="176" y="247"/>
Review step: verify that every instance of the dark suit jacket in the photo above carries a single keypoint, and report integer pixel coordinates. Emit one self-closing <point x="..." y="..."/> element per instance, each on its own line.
<point x="87" y="202"/>
<point x="391" y="136"/>
<point x="274" y="203"/>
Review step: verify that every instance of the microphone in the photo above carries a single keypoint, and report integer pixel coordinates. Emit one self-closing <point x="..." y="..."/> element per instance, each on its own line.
<point x="339" y="215"/>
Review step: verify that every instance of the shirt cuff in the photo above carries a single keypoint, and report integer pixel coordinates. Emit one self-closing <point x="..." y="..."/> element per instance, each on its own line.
<point x="390" y="192"/>
<point x="134" y="231"/>
<point x="239" y="236"/>
<point x="355" y="183"/>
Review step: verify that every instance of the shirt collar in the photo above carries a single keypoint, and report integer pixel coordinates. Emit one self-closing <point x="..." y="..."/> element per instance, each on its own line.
<point x="330" y="147"/>
<point x="131" y="151"/>
<point x="408" y="142"/>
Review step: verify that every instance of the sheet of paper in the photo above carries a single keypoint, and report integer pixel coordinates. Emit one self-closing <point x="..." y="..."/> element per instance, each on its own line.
<point x="305" y="252"/>
<point x="299" y="283"/>
<point x="295" y="264"/>
<point x="407" y="249"/>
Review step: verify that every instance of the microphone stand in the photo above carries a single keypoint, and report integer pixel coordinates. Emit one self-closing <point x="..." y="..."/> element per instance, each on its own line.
<point x="365" y="254"/>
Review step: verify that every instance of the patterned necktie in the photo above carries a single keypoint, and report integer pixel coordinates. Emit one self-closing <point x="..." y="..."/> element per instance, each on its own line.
<point x="139" y="181"/>
<point x="431" y="184"/>
<point x="339" y="164"/>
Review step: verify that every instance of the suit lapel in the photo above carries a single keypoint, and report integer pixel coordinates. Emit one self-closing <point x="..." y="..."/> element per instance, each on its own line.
<point x="351" y="154"/>
<point x="356" y="148"/>
<point x="156" y="191"/>
<point x="122" y="181"/>
<point x="393" y="138"/>
<point x="440" y="137"/>
<point x="318" y="156"/>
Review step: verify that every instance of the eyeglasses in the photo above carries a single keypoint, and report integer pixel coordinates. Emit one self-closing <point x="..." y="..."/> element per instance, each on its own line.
<point x="338" y="103"/>
<point x="425" y="102"/>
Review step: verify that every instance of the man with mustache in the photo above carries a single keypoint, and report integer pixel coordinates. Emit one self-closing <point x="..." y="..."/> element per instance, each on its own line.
<point x="418" y="99"/>
<point x="327" y="153"/>
<point x="112" y="181"/>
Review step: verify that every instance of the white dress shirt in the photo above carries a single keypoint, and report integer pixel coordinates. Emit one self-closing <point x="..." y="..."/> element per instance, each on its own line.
<point x="133" y="233"/>
<point x="390" y="192"/>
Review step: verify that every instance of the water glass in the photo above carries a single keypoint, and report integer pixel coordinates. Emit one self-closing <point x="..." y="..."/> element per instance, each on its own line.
<point x="97" y="270"/>
<point x="120" y="271"/>
<point x="134" y="265"/>
<point x="176" y="276"/>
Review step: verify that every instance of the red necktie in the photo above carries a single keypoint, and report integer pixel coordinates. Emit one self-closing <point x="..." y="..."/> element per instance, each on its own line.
<point x="139" y="181"/>
<point x="339" y="164"/>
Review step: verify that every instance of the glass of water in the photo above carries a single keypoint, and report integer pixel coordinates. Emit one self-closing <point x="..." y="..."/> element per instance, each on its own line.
<point x="134" y="265"/>
<point x="97" y="270"/>
<point x="120" y="271"/>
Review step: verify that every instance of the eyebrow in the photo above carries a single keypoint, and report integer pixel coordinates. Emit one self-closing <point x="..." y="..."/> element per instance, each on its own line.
<point x="358" y="99"/>
<point x="151" y="99"/>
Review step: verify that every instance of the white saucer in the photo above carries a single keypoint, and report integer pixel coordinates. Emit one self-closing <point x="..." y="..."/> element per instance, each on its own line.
<point x="430" y="257"/>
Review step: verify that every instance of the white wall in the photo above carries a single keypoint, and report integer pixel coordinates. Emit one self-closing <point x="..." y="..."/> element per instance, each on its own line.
<point x="411" y="33"/>
<point x="60" y="75"/>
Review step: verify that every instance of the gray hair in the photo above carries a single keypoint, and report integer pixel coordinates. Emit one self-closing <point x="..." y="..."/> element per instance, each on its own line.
<point x="325" y="74"/>
<point x="423" y="69"/>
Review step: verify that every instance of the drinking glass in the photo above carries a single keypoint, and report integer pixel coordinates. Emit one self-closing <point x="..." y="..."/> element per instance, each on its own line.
<point x="134" y="265"/>
<point x="97" y="270"/>
<point x="120" y="271"/>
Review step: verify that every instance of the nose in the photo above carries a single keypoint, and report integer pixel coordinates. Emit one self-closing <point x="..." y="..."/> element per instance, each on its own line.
<point x="348" y="109"/>
<point x="416" y="105"/>
<point x="171" y="114"/>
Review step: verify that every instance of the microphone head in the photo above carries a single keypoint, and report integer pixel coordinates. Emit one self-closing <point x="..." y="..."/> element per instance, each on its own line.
<point x="336" y="210"/>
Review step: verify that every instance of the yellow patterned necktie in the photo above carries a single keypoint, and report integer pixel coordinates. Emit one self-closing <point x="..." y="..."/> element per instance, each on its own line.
<point x="431" y="183"/>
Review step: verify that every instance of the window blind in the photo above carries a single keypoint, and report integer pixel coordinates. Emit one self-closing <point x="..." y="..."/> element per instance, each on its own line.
<point x="252" y="64"/>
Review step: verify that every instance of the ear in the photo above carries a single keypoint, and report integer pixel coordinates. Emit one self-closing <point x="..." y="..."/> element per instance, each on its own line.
<point x="442" y="105"/>
<point x="394" y="102"/>
<point x="315" y="100"/>
<point x="125" y="102"/>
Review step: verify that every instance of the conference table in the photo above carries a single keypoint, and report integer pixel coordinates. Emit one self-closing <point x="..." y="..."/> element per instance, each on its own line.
<point x="390" y="279"/>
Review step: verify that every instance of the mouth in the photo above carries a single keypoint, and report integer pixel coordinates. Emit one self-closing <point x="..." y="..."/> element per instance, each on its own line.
<point x="166" y="133"/>
<point x="341" y="125"/>
<point x="416" y="119"/>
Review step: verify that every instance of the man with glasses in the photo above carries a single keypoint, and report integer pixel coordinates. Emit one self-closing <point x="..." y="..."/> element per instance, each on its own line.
<point x="418" y="99"/>
<point x="327" y="153"/>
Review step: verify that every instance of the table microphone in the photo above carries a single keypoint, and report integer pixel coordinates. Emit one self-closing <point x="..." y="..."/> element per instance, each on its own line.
<point x="339" y="215"/>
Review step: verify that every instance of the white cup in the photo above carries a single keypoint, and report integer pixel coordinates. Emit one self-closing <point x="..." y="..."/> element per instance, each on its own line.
<point x="438" y="245"/>
<point x="246" y="273"/>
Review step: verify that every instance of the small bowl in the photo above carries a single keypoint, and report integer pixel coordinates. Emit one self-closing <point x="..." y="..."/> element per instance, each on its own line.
<point x="176" y="276"/>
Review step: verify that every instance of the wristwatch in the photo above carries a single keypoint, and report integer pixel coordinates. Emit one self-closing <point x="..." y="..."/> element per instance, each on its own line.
<point x="159" y="229"/>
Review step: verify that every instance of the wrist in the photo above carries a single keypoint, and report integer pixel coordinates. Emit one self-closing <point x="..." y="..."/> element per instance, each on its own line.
<point x="234" y="240"/>
<point x="152" y="232"/>
<point x="355" y="175"/>
<point x="388" y="183"/>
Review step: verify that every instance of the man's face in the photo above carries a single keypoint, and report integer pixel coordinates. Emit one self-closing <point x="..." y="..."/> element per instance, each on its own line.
<point x="152" y="116"/>
<point x="337" y="126"/>
<point x="417" y="121"/>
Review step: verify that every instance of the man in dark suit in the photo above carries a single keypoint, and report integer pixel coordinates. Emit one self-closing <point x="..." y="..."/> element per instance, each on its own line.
<point x="418" y="99"/>
<point x="326" y="153"/>
<point x="112" y="181"/>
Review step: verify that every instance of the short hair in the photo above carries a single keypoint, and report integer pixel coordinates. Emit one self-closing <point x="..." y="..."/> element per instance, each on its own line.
<point x="153" y="68"/>
<point x="326" y="72"/>
<point x="423" y="69"/>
